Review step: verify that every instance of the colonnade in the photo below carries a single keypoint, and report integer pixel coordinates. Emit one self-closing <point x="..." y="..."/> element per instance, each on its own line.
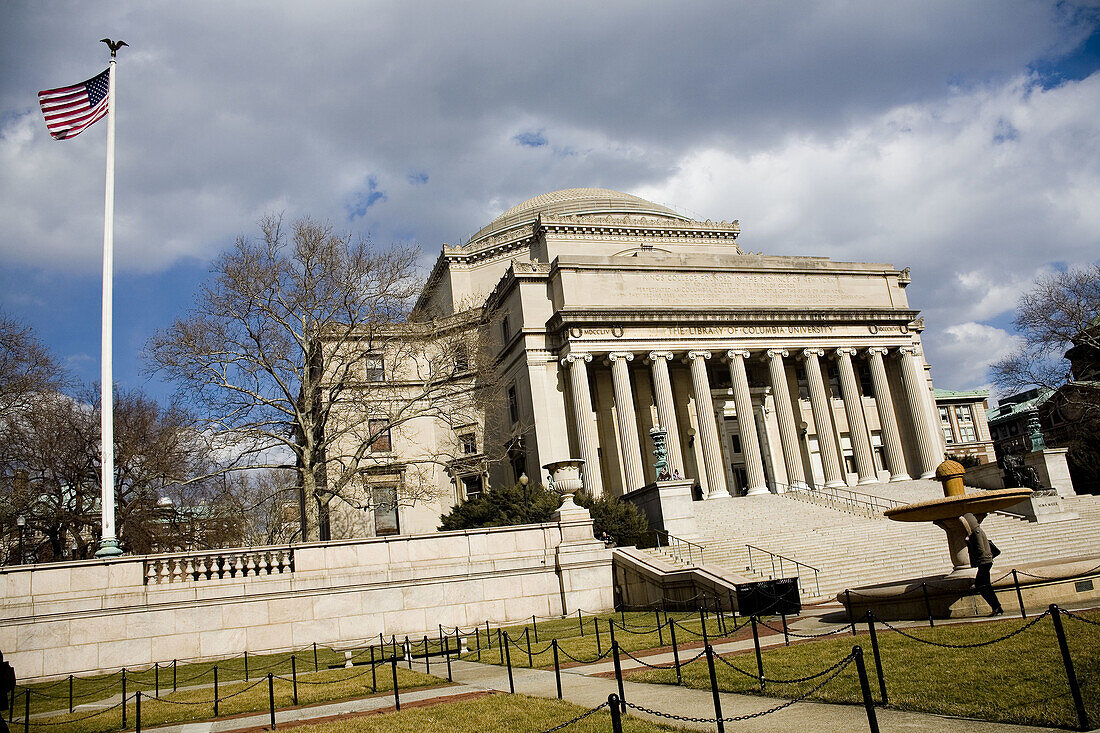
<point x="912" y="372"/>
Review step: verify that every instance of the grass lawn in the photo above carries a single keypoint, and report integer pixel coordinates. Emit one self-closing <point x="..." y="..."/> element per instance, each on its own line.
<point x="514" y="713"/>
<point x="242" y="697"/>
<point x="1019" y="680"/>
<point x="49" y="696"/>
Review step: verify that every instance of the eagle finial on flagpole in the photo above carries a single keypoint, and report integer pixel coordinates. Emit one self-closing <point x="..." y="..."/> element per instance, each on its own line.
<point x="113" y="45"/>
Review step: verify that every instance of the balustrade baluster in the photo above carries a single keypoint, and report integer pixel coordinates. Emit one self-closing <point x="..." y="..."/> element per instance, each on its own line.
<point x="250" y="566"/>
<point x="238" y="567"/>
<point x="151" y="573"/>
<point x="165" y="571"/>
<point x="264" y="568"/>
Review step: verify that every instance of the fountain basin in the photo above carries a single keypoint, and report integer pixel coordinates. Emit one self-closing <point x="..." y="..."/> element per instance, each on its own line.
<point x="951" y="507"/>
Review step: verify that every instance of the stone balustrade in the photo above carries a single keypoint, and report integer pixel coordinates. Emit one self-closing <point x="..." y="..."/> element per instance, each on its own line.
<point x="218" y="565"/>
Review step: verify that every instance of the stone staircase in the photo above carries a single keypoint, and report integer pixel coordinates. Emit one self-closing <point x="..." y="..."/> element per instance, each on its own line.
<point x="852" y="549"/>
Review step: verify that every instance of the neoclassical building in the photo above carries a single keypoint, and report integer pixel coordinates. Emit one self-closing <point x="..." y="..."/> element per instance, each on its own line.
<point x="613" y="316"/>
<point x="616" y="316"/>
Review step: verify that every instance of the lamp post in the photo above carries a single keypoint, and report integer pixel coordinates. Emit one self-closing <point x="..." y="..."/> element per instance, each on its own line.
<point x="21" y="521"/>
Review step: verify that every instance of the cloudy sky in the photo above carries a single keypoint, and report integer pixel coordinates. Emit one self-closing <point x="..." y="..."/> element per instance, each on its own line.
<point x="959" y="139"/>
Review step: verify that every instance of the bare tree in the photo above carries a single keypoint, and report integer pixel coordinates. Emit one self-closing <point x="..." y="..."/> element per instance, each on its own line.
<point x="1057" y="315"/>
<point x="1059" y="324"/>
<point x="301" y="348"/>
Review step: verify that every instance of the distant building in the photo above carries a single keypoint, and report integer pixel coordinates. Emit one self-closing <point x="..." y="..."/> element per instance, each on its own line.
<point x="1008" y="421"/>
<point x="963" y="422"/>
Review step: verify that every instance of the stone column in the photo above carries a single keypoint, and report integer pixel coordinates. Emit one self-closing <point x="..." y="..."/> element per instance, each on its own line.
<point x="819" y="401"/>
<point x="912" y="375"/>
<point x="746" y="423"/>
<point x="628" y="421"/>
<point x="708" y="428"/>
<point x="788" y="429"/>
<point x="586" y="425"/>
<point x="666" y="407"/>
<point x="857" y="425"/>
<point x="890" y="438"/>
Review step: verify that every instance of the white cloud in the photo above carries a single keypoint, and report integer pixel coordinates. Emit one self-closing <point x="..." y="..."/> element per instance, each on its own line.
<point x="962" y="353"/>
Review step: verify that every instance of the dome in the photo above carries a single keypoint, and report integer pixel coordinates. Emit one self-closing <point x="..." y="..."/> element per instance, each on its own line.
<point x="573" y="202"/>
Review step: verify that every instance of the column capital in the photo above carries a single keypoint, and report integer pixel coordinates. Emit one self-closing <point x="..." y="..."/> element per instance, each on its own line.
<point x="693" y="355"/>
<point x="807" y="353"/>
<point x="772" y="353"/>
<point x="734" y="353"/>
<point x="908" y="351"/>
<point x="846" y="350"/>
<point x="575" y="357"/>
<point x="614" y="356"/>
<point x="880" y="350"/>
<point x="666" y="355"/>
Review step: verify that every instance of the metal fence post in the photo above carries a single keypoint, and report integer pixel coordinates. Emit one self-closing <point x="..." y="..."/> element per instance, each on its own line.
<point x="246" y="665"/>
<point x="123" y="697"/>
<point x="314" y="656"/>
<point x="507" y="653"/>
<point x="675" y="650"/>
<point x="427" y="658"/>
<point x="786" y="635"/>
<point x="396" y="694"/>
<point x="373" y="672"/>
<point x="660" y="631"/>
<point x="865" y="687"/>
<point x="294" y="676"/>
<point x="580" y="621"/>
<point x="878" y="658"/>
<point x="215" y="690"/>
<point x="714" y="689"/>
<point x="271" y="697"/>
<point x="616" y="716"/>
<point x="557" y="667"/>
<point x="759" y="658"/>
<point x="447" y="654"/>
<point x="1071" y="675"/>
<point x="530" y="658"/>
<point x="156" y="679"/>
<point x="599" y="649"/>
<point x="70" y="694"/>
<point x="137" y="712"/>
<point x="618" y="670"/>
<point x="1019" y="595"/>
<point x="173" y="675"/>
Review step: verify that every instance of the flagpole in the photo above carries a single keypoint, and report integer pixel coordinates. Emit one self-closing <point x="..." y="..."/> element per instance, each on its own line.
<point x="108" y="542"/>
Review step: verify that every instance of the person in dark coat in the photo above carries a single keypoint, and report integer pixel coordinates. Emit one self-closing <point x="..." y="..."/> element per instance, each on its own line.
<point x="981" y="552"/>
<point x="7" y="688"/>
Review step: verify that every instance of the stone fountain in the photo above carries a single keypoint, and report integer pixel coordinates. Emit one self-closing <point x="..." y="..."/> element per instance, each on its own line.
<point x="946" y="513"/>
<point x="938" y="595"/>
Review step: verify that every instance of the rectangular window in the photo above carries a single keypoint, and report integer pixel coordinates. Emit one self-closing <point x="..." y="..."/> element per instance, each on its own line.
<point x="373" y="368"/>
<point x="469" y="443"/>
<point x="471" y="485"/>
<point x="384" y="499"/>
<point x="966" y="434"/>
<point x="948" y="436"/>
<point x="505" y="329"/>
<point x="962" y="414"/>
<point x="513" y="404"/>
<point x="380" y="428"/>
<point x="462" y="358"/>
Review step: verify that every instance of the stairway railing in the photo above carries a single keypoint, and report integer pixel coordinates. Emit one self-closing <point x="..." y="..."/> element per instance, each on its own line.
<point x="678" y="547"/>
<point x="783" y="560"/>
<point x="845" y="500"/>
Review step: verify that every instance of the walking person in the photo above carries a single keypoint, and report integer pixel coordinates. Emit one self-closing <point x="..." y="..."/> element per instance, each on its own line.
<point x="982" y="552"/>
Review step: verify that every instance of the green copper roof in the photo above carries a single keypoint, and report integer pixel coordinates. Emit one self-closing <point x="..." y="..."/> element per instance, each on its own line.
<point x="950" y="394"/>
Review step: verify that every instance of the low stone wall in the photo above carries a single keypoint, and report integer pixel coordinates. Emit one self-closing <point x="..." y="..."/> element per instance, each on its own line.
<point x="99" y="615"/>
<point x="644" y="582"/>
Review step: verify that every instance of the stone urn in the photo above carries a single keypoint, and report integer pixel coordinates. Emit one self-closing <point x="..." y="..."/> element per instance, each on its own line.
<point x="566" y="478"/>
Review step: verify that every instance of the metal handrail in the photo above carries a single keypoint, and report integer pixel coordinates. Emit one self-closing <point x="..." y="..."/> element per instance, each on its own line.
<point x="844" y="499"/>
<point x="677" y="545"/>
<point x="783" y="558"/>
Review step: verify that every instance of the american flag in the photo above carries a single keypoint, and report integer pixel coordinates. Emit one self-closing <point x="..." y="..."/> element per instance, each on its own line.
<point x="69" y="110"/>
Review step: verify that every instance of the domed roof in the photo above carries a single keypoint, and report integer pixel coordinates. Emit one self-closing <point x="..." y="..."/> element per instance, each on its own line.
<point x="573" y="202"/>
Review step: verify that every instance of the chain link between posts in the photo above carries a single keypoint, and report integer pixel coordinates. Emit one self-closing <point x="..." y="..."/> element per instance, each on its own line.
<point x="976" y="645"/>
<point x="839" y="667"/>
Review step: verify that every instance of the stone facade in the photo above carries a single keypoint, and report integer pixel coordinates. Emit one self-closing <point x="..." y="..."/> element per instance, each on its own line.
<point x="101" y="615"/>
<point x="612" y="315"/>
<point x="962" y="418"/>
